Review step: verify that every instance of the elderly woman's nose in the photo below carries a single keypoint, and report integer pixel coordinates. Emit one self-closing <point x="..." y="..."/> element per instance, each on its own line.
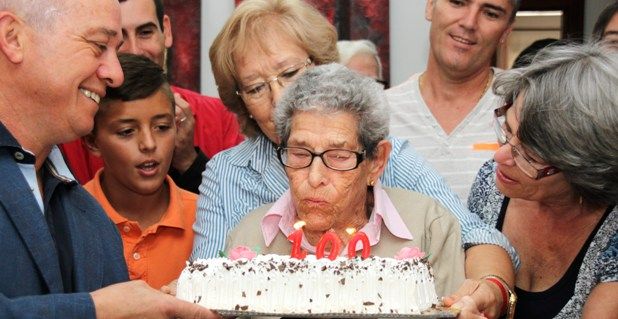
<point x="317" y="172"/>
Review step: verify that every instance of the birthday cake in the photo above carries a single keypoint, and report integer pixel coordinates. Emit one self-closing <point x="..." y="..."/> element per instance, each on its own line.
<point x="283" y="285"/>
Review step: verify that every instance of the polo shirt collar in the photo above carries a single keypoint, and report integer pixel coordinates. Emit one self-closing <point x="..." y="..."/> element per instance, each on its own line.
<point x="171" y="218"/>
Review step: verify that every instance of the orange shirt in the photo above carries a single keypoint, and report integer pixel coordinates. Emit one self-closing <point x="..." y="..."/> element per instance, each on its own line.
<point x="157" y="254"/>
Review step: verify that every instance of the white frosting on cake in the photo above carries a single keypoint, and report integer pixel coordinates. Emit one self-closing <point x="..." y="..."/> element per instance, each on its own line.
<point x="280" y="284"/>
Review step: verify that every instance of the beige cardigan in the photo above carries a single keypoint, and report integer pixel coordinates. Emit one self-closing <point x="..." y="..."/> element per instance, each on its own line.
<point x="435" y="230"/>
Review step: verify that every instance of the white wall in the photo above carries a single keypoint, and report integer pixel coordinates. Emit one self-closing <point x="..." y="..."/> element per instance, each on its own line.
<point x="409" y="39"/>
<point x="214" y="15"/>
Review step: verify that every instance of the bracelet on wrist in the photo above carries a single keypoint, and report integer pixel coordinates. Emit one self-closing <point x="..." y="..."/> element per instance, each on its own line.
<point x="509" y="298"/>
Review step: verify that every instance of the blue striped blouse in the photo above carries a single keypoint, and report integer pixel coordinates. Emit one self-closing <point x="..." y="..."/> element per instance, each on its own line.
<point x="242" y="178"/>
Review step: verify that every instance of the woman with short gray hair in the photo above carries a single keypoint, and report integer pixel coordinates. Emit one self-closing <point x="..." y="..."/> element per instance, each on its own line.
<point x="552" y="187"/>
<point x="337" y="91"/>
<point x="333" y="125"/>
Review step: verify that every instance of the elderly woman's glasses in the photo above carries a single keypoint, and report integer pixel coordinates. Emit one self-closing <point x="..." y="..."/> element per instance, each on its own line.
<point x="259" y="92"/>
<point x="523" y="161"/>
<point x="336" y="159"/>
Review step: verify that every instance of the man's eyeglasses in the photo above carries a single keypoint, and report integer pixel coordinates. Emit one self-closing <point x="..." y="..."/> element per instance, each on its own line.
<point x="336" y="159"/>
<point x="258" y="92"/>
<point x="522" y="160"/>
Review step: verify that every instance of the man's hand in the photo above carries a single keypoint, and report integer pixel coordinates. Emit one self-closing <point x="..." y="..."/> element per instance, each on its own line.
<point x="135" y="299"/>
<point x="184" y="152"/>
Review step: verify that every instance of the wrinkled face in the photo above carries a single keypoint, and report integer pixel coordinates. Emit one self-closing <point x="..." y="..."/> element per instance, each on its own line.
<point x="364" y="64"/>
<point x="464" y="34"/>
<point x="261" y="63"/>
<point x="511" y="180"/>
<point x="610" y="34"/>
<point x="72" y="63"/>
<point x="135" y="139"/>
<point x="325" y="198"/>
<point x="141" y="30"/>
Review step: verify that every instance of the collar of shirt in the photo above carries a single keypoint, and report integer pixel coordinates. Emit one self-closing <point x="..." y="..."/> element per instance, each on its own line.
<point x="25" y="161"/>
<point x="282" y="216"/>
<point x="171" y="218"/>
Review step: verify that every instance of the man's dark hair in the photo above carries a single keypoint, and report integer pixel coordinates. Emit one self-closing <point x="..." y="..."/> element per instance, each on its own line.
<point x="158" y="9"/>
<point x="603" y="20"/>
<point x="142" y="78"/>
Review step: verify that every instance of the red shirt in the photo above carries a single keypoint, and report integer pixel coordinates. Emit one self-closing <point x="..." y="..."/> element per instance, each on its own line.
<point x="216" y="129"/>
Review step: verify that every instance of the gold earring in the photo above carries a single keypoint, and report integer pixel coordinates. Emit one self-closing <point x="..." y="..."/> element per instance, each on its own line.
<point x="371" y="183"/>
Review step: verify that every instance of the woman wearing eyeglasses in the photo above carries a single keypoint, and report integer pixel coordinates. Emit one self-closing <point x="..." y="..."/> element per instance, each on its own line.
<point x="333" y="125"/>
<point x="552" y="187"/>
<point x="262" y="49"/>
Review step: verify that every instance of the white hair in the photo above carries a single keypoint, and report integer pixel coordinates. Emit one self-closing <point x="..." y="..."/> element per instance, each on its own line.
<point x="40" y="14"/>
<point x="349" y="48"/>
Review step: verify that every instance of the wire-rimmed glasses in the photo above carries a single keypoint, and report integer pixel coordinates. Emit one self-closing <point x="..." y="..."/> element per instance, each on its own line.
<point x="257" y="93"/>
<point x="529" y="166"/>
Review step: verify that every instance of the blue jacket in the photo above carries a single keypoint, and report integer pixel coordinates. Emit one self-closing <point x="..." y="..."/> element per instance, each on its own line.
<point x="31" y="284"/>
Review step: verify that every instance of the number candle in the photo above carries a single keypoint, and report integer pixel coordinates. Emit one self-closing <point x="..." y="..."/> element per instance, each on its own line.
<point x="335" y="246"/>
<point x="296" y="238"/>
<point x="352" y="244"/>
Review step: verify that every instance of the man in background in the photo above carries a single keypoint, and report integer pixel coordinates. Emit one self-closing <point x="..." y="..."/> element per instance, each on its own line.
<point x="446" y="111"/>
<point x="202" y="121"/>
<point x="61" y="255"/>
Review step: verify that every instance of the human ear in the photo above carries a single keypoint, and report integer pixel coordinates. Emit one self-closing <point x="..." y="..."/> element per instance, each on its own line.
<point x="91" y="144"/>
<point x="11" y="37"/>
<point x="167" y="31"/>
<point x="378" y="164"/>
<point x="506" y="34"/>
<point x="429" y="9"/>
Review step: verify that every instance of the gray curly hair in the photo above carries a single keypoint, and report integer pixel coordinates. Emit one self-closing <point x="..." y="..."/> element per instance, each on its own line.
<point x="333" y="88"/>
<point x="569" y="116"/>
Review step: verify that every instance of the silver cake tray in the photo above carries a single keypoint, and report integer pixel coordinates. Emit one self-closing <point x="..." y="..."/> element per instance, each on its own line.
<point x="438" y="312"/>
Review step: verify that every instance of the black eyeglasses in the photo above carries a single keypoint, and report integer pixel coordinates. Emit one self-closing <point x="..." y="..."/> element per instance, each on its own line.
<point x="336" y="159"/>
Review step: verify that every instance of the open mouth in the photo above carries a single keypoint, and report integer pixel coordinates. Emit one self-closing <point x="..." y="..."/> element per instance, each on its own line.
<point x="148" y="166"/>
<point x="91" y="95"/>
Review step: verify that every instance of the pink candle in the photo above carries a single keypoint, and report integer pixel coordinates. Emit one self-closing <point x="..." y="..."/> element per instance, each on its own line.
<point x="335" y="245"/>
<point x="352" y="245"/>
<point x="296" y="238"/>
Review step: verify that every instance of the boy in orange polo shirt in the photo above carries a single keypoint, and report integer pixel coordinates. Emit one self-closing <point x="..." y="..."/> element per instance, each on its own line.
<point x="134" y="133"/>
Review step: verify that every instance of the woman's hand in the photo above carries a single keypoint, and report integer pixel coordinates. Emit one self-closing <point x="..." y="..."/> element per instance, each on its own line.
<point x="476" y="299"/>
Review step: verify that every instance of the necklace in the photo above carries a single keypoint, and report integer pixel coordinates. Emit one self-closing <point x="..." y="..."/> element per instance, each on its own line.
<point x="421" y="79"/>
